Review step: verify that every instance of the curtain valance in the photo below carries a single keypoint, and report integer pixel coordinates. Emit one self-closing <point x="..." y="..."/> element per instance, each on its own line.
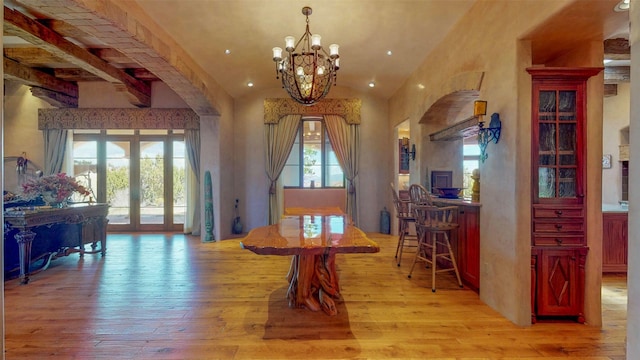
<point x="118" y="119"/>
<point x="349" y="109"/>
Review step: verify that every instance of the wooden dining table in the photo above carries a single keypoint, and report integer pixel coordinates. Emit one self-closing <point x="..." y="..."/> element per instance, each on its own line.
<point x="313" y="241"/>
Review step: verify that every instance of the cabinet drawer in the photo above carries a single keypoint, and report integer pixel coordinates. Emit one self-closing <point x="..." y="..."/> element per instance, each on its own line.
<point x="558" y="213"/>
<point x="558" y="240"/>
<point x="558" y="227"/>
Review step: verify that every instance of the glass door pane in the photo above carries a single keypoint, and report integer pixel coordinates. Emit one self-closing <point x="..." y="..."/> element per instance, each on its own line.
<point x="179" y="183"/>
<point x="118" y="182"/>
<point x="151" y="182"/>
<point x="85" y="167"/>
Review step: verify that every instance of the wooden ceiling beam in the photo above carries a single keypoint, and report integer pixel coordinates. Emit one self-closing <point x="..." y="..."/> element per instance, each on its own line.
<point x="63" y="28"/>
<point x="32" y="56"/>
<point x="617" y="74"/>
<point x="617" y="49"/>
<point x="111" y="55"/>
<point x="33" y="77"/>
<point x="610" y="90"/>
<point x="75" y="75"/>
<point x="32" y="31"/>
<point x="54" y="98"/>
<point x="142" y="74"/>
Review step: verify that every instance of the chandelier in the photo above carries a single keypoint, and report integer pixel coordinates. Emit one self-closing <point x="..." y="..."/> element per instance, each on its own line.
<point x="307" y="70"/>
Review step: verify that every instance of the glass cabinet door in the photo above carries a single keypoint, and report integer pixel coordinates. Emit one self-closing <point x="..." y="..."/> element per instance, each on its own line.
<point x="557" y="156"/>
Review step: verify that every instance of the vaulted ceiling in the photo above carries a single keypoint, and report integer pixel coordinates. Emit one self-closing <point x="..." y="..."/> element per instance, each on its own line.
<point x="232" y="41"/>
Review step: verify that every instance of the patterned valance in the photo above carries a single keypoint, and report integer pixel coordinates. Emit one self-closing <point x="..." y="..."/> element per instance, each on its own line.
<point x="349" y="109"/>
<point x="117" y="119"/>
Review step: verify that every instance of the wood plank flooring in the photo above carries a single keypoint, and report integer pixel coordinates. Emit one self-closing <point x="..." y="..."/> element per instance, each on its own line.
<point x="166" y="296"/>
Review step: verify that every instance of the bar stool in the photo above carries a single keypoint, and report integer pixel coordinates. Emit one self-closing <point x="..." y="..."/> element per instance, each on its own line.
<point x="433" y="225"/>
<point x="405" y="217"/>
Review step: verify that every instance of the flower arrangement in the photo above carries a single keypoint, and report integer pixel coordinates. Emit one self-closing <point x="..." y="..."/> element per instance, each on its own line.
<point x="59" y="186"/>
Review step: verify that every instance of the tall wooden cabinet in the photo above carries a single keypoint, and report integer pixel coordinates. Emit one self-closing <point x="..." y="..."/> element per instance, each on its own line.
<point x="558" y="214"/>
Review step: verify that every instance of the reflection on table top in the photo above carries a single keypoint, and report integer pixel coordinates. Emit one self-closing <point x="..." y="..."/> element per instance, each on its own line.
<point x="309" y="235"/>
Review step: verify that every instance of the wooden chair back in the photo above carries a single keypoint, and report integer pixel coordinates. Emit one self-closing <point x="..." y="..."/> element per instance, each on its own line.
<point x="419" y="195"/>
<point x="403" y="208"/>
<point x="434" y="218"/>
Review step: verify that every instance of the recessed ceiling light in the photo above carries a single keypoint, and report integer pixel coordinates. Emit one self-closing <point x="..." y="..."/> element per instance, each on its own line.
<point x="389" y="53"/>
<point x="420" y="86"/>
<point x="372" y="84"/>
<point x="250" y="84"/>
<point x="227" y="51"/>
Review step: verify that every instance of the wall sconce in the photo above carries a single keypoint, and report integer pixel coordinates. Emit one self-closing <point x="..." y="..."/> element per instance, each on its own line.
<point x="488" y="134"/>
<point x="405" y="148"/>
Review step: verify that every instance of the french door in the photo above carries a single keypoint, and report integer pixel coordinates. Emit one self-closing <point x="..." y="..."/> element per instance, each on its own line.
<point x="140" y="174"/>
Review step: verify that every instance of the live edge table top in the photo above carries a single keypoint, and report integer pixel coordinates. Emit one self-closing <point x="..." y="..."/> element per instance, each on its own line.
<point x="309" y="235"/>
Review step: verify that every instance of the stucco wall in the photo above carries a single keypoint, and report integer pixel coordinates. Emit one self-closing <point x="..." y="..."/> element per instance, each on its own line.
<point x="21" y="132"/>
<point x="477" y="44"/>
<point x="616" y="118"/>
<point x="251" y="180"/>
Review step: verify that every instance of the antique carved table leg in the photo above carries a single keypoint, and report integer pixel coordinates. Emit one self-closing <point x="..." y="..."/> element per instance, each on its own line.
<point x="25" y="239"/>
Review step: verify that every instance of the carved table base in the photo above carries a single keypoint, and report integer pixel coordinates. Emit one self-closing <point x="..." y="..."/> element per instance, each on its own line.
<point x="313" y="282"/>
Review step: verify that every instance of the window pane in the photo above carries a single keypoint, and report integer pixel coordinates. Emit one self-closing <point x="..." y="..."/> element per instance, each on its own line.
<point x="120" y="132"/>
<point x="152" y="132"/>
<point x="467" y="183"/>
<point x="312" y="154"/>
<point x="291" y="172"/>
<point x="333" y="175"/>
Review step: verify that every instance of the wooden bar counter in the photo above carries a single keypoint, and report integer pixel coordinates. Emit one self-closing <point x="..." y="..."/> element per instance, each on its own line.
<point x="313" y="240"/>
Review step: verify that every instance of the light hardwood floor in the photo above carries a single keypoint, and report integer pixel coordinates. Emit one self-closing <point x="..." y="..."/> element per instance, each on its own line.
<point x="165" y="296"/>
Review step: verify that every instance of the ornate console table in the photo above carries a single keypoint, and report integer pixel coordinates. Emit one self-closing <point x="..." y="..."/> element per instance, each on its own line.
<point x="56" y="231"/>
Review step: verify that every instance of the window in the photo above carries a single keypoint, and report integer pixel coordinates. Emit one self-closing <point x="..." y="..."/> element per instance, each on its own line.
<point x="471" y="153"/>
<point x="312" y="162"/>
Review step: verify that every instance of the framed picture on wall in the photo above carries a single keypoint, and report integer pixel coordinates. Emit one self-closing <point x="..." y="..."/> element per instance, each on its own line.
<point x="606" y="161"/>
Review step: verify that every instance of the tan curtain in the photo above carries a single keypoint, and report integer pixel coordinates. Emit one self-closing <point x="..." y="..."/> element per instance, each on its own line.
<point x="55" y="143"/>
<point x="345" y="140"/>
<point x="192" y="146"/>
<point x="278" y="140"/>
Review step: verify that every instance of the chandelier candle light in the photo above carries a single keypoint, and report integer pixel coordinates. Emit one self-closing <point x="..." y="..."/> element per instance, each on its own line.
<point x="307" y="70"/>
